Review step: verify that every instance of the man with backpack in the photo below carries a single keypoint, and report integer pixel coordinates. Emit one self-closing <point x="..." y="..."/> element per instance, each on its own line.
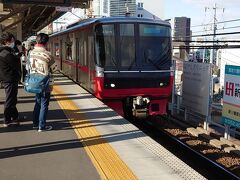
<point x="42" y="63"/>
<point x="10" y="74"/>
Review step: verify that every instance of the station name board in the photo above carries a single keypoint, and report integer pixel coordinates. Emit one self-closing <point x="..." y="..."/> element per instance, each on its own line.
<point x="43" y="2"/>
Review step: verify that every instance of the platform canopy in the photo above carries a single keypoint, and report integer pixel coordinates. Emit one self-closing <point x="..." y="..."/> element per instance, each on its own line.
<point x="25" y="18"/>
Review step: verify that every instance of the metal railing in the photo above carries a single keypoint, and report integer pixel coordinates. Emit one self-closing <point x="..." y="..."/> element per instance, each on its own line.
<point x="177" y="106"/>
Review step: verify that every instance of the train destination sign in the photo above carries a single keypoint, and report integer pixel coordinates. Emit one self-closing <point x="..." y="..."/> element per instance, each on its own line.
<point x="231" y="96"/>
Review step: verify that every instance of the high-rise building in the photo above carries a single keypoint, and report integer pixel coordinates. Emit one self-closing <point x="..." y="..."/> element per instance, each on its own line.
<point x="121" y="7"/>
<point x="146" y="9"/>
<point x="114" y="7"/>
<point x="181" y="30"/>
<point x="101" y="8"/>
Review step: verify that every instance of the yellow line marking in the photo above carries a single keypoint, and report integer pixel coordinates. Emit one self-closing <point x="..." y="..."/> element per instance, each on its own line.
<point x="105" y="159"/>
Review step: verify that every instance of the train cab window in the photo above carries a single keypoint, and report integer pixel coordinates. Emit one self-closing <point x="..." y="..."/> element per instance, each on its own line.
<point x="155" y="46"/>
<point x="69" y="51"/>
<point x="127" y="46"/>
<point x="105" y="46"/>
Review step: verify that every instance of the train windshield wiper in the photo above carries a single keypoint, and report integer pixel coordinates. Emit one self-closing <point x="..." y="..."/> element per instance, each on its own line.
<point x="147" y="59"/>
<point x="113" y="61"/>
<point x="131" y="65"/>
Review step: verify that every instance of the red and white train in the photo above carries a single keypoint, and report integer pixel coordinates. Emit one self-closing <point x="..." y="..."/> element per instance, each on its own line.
<point x="124" y="61"/>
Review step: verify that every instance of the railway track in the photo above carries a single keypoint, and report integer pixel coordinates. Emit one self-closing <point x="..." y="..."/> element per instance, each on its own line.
<point x="197" y="160"/>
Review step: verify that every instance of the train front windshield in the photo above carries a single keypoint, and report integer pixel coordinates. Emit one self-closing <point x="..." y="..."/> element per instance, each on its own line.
<point x="130" y="46"/>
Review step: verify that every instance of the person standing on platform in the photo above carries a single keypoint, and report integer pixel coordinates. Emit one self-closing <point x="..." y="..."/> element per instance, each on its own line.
<point x="18" y="49"/>
<point x="41" y="62"/>
<point x="31" y="48"/>
<point x="10" y="74"/>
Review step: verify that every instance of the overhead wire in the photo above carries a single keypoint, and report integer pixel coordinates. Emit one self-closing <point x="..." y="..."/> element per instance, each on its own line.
<point x="217" y="34"/>
<point x="207" y="47"/>
<point x="228" y="60"/>
<point x="220" y="22"/>
<point x="207" y="41"/>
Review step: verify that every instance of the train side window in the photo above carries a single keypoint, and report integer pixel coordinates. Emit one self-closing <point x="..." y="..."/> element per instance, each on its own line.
<point x="82" y="47"/>
<point x="62" y="52"/>
<point x="77" y="51"/>
<point x="56" y="50"/>
<point x="90" y="49"/>
<point x="85" y="52"/>
<point x="106" y="52"/>
<point x="127" y="46"/>
<point x="68" y="48"/>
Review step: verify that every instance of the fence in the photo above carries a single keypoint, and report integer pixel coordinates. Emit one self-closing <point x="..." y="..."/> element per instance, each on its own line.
<point x="213" y="120"/>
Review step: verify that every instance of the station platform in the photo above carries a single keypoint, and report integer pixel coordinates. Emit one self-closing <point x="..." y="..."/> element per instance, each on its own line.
<point x="88" y="141"/>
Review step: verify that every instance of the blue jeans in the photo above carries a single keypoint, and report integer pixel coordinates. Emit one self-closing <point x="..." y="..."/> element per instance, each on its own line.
<point x="41" y="110"/>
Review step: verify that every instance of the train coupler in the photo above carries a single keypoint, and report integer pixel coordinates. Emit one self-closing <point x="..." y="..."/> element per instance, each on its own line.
<point x="140" y="107"/>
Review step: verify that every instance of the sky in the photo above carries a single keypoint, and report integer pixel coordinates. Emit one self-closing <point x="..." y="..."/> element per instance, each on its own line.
<point x="195" y="9"/>
<point x="200" y="11"/>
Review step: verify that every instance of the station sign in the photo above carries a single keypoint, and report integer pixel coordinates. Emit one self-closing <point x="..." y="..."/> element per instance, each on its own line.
<point x="196" y="87"/>
<point x="40" y="2"/>
<point x="231" y="96"/>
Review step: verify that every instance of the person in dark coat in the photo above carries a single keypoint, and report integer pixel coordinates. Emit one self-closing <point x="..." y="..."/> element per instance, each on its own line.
<point x="17" y="49"/>
<point x="10" y="74"/>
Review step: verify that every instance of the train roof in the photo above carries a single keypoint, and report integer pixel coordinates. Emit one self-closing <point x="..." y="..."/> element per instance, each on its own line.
<point x="90" y="21"/>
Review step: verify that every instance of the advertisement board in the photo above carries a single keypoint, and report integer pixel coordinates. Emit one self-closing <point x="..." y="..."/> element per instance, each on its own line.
<point x="196" y="86"/>
<point x="231" y="96"/>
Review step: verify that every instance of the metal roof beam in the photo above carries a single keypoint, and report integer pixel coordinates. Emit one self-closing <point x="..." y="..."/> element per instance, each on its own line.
<point x="14" y="12"/>
<point x="44" y="9"/>
<point x="11" y="25"/>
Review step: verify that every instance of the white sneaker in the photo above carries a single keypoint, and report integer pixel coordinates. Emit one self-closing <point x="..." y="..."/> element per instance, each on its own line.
<point x="47" y="128"/>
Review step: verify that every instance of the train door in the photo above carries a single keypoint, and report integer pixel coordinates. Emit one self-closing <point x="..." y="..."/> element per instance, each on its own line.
<point x="61" y="55"/>
<point x="90" y="61"/>
<point x="77" y="59"/>
<point x="83" y="73"/>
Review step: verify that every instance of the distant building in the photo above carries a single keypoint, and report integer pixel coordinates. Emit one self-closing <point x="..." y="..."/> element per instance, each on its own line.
<point x="181" y="30"/>
<point x="113" y="7"/>
<point x="120" y="7"/>
<point x="145" y="9"/>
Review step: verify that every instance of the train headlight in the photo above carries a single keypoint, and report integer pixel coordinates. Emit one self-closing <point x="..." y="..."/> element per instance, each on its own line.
<point x="112" y="85"/>
<point x="161" y="84"/>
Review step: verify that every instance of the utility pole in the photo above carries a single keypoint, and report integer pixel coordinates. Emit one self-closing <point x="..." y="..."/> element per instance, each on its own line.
<point x="213" y="51"/>
<point x="212" y="61"/>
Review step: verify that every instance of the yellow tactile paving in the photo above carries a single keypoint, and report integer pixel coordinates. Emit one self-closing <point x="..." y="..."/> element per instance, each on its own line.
<point x="105" y="159"/>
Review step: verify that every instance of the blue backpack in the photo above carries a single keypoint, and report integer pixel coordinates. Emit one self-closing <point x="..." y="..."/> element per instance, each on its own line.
<point x="36" y="83"/>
